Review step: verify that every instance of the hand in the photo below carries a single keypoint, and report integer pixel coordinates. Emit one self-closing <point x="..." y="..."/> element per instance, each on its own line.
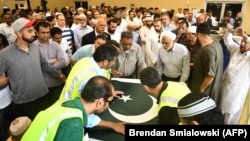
<point x="118" y="94"/>
<point x="240" y="32"/>
<point x="229" y="26"/>
<point x="116" y="73"/>
<point x="63" y="77"/>
<point x="53" y="60"/>
<point x="119" y="127"/>
<point x="4" y="80"/>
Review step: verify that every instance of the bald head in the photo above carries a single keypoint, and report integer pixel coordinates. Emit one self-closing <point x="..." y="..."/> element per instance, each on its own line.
<point x="101" y="25"/>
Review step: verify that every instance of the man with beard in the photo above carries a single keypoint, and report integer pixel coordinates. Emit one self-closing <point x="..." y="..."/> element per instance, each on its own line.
<point x="152" y="43"/>
<point x="173" y="61"/>
<point x="111" y="30"/>
<point x="24" y="64"/>
<point x="206" y="74"/>
<point x="81" y="30"/>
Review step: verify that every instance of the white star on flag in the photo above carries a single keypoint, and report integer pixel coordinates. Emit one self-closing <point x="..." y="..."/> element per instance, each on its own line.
<point x="125" y="98"/>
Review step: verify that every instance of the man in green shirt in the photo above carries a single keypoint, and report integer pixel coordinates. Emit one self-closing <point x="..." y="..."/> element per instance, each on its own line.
<point x="65" y="120"/>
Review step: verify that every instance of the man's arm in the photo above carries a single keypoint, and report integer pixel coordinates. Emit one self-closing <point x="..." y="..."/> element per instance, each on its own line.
<point x="119" y="127"/>
<point x="206" y="82"/>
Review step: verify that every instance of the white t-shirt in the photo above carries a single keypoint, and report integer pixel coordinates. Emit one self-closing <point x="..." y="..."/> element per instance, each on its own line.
<point x="5" y="97"/>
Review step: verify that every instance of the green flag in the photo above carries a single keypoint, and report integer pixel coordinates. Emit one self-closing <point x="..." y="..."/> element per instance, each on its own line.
<point x="134" y="107"/>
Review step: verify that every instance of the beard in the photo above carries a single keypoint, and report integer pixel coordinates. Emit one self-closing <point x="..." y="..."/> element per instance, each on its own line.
<point x="111" y="31"/>
<point x="158" y="30"/>
<point x="29" y="40"/>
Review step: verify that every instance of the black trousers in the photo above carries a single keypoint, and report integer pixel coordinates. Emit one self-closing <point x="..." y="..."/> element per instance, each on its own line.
<point x="165" y="78"/>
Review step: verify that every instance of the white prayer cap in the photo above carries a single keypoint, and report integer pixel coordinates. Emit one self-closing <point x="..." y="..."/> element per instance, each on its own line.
<point x="19" y="125"/>
<point x="169" y="34"/>
<point x="192" y="29"/>
<point x="80" y="8"/>
<point x="198" y="15"/>
<point x="82" y="16"/>
<point x="93" y="6"/>
<point x="163" y="10"/>
<point x="148" y="18"/>
<point x="131" y="24"/>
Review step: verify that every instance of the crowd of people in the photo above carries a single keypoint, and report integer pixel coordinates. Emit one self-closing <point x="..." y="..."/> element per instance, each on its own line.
<point x="56" y="67"/>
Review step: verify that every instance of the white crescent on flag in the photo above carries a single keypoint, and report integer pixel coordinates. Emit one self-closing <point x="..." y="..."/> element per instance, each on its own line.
<point x="150" y="114"/>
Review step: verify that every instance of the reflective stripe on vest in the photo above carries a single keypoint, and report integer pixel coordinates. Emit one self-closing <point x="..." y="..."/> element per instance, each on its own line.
<point x="173" y="93"/>
<point x="45" y="125"/>
<point x="53" y="122"/>
<point x="68" y="93"/>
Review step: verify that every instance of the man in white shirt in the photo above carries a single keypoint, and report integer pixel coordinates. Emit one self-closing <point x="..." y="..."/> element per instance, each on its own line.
<point x="236" y="78"/>
<point x="7" y="29"/>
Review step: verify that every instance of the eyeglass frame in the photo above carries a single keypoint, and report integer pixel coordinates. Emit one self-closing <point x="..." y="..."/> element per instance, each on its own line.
<point x="110" y="102"/>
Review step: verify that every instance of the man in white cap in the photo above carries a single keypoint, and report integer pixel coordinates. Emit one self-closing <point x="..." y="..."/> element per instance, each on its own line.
<point x="23" y="64"/>
<point x="81" y="30"/>
<point x="152" y="43"/>
<point x="145" y="31"/>
<point x="192" y="44"/>
<point x="173" y="62"/>
<point x="199" y="109"/>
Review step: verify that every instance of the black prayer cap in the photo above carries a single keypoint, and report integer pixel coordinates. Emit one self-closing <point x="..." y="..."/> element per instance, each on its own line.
<point x="203" y="28"/>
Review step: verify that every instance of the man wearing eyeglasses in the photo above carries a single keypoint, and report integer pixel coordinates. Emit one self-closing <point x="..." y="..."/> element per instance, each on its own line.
<point x="65" y="119"/>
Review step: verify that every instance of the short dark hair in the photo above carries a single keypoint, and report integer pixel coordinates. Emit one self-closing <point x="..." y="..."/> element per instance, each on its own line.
<point x="42" y="24"/>
<point x="105" y="52"/>
<point x="150" y="77"/>
<point x="112" y="21"/>
<point x="114" y="43"/>
<point x="97" y="87"/>
<point x="126" y="34"/>
<point x="101" y="36"/>
<point x="55" y="30"/>
<point x="50" y="18"/>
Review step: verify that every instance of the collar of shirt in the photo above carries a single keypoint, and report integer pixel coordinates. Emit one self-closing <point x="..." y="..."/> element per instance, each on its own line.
<point x="247" y="53"/>
<point x="163" y="88"/>
<point x="172" y="49"/>
<point x="42" y="45"/>
<point x="99" y="69"/>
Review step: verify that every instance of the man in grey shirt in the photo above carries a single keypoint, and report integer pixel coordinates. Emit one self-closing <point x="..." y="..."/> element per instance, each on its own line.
<point x="173" y="62"/>
<point x="23" y="64"/>
<point x="53" y="54"/>
<point x="130" y="60"/>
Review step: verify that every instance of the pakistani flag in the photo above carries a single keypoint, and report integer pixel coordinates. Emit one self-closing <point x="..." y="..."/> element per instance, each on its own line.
<point x="134" y="107"/>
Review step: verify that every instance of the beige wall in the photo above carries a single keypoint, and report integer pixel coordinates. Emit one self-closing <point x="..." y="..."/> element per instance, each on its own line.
<point x="144" y="3"/>
<point x="34" y="3"/>
<point x="167" y="4"/>
<point x="246" y="21"/>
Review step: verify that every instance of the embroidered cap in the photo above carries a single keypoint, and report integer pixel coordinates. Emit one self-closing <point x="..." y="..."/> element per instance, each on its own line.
<point x="195" y="104"/>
